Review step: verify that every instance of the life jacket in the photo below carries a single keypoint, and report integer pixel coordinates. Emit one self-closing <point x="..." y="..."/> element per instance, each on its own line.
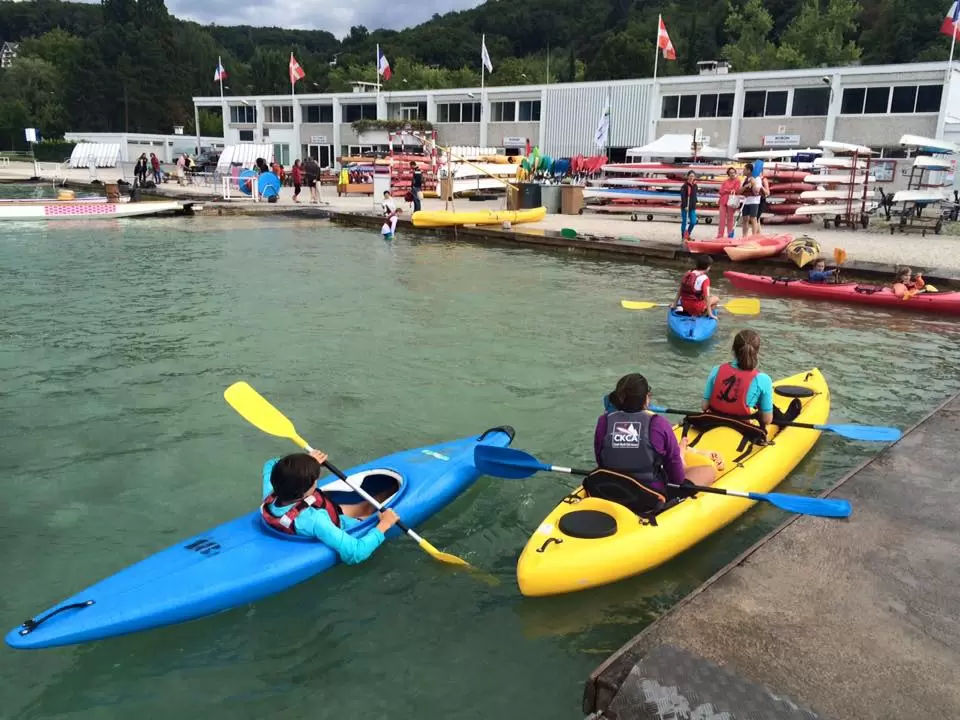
<point x="729" y="396"/>
<point x="688" y="287"/>
<point x="626" y="448"/>
<point x="284" y="523"/>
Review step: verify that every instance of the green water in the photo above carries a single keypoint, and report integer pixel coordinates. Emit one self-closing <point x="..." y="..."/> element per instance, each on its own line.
<point x="118" y="340"/>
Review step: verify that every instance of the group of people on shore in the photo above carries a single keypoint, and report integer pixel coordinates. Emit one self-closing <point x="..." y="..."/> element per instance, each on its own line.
<point x="741" y="193"/>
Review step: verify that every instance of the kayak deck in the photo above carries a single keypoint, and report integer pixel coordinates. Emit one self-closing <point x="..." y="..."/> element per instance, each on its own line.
<point x="689" y="328"/>
<point x="554" y="562"/>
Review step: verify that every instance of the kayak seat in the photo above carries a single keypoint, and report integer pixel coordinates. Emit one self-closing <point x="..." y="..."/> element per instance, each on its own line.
<point x="624" y="490"/>
<point x="793" y="391"/>
<point x="588" y="524"/>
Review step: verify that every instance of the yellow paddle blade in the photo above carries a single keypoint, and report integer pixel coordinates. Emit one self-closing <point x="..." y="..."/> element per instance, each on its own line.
<point x="256" y="410"/>
<point x="930" y="288"/>
<point x="442" y="556"/>
<point x="743" y="306"/>
<point x="638" y="305"/>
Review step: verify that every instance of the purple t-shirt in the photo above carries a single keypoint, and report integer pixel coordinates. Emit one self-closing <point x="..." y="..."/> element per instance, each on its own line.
<point x="662" y="439"/>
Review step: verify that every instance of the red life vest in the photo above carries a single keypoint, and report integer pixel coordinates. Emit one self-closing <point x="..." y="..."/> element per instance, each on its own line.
<point x="729" y="395"/>
<point x="688" y="288"/>
<point x="284" y="523"/>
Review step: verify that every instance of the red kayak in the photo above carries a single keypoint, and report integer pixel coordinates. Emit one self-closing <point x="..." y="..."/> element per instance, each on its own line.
<point x="940" y="302"/>
<point x="717" y="245"/>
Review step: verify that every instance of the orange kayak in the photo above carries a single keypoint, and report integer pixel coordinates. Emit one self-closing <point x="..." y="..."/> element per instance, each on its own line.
<point x="758" y="249"/>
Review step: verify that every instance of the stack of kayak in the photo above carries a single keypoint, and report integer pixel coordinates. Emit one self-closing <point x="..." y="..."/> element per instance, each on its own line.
<point x="939" y="302"/>
<point x="588" y="541"/>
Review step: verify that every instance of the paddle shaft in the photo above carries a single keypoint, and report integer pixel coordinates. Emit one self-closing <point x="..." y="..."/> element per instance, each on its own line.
<point x="366" y="496"/>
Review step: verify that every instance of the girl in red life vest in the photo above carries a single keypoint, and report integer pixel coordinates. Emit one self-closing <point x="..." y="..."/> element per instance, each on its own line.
<point x="694" y="295"/>
<point x="906" y="285"/>
<point x="738" y="388"/>
<point x="293" y="505"/>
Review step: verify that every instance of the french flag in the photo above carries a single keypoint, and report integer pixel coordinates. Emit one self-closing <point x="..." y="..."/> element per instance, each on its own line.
<point x="220" y="73"/>
<point x="383" y="65"/>
<point x="949" y="26"/>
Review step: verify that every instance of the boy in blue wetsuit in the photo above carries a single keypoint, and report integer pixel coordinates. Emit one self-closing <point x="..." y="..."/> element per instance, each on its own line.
<point x="293" y="505"/>
<point x="820" y="274"/>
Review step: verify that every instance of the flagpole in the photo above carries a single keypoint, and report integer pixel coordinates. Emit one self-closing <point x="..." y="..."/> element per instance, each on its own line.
<point x="656" y="48"/>
<point x="483" y="67"/>
<point x="948" y="81"/>
<point x="378" y="68"/>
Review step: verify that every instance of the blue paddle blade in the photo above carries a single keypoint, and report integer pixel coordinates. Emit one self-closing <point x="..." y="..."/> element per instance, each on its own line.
<point x="868" y="433"/>
<point x="821" y="507"/>
<point x="506" y="463"/>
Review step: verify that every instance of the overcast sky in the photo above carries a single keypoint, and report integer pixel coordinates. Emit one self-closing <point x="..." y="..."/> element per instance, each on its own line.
<point x="335" y="16"/>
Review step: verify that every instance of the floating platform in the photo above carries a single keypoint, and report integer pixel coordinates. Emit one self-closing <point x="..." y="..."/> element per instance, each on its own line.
<point x="822" y="618"/>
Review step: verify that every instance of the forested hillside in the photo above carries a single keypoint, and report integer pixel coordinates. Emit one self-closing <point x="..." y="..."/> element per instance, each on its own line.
<point x="128" y="64"/>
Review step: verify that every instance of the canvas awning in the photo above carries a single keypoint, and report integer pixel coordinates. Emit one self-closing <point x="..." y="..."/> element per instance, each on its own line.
<point x="675" y="145"/>
<point x="244" y="154"/>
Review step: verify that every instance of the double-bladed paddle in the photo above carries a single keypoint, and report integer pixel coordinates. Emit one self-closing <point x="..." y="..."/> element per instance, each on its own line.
<point x="515" y="464"/>
<point x="737" y="306"/>
<point x="258" y="411"/>
<point x="867" y="433"/>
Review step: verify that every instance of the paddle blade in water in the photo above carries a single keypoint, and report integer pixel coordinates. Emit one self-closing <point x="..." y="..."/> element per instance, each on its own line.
<point x="442" y="556"/>
<point x="743" y="306"/>
<point x="510" y="465"/>
<point x="821" y="507"/>
<point x="867" y="433"/>
<point x="256" y="410"/>
<point x="638" y="305"/>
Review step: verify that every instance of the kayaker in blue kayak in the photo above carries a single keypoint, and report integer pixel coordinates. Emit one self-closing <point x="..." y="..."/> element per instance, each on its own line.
<point x="694" y="294"/>
<point x="293" y="505"/>
<point x="632" y="440"/>
<point x="738" y="388"/>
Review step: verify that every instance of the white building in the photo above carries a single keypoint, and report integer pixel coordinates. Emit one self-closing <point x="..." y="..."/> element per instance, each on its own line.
<point x="165" y="147"/>
<point x="872" y="105"/>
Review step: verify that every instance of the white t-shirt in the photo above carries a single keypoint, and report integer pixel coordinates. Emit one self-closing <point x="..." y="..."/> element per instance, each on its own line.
<point x="751" y="196"/>
<point x="389" y="206"/>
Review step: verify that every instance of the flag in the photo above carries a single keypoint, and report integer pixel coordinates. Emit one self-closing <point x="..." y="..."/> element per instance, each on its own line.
<point x="949" y="26"/>
<point x="383" y="65"/>
<point x="485" y="56"/>
<point x="296" y="72"/>
<point x="602" y="135"/>
<point x="663" y="42"/>
<point x="220" y="74"/>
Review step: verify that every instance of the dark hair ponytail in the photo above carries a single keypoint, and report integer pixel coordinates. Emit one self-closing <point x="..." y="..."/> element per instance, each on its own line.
<point x="631" y="393"/>
<point x="746" y="348"/>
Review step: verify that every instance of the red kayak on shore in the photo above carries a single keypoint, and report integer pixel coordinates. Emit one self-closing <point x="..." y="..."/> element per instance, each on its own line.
<point x="718" y="245"/>
<point x="939" y="302"/>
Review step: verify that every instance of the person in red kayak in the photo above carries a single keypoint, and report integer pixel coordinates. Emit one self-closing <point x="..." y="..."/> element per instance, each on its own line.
<point x="694" y="296"/>
<point x="293" y="505"/>
<point x="907" y="284"/>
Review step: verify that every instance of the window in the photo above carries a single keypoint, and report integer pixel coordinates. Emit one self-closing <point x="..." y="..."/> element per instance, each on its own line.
<point x="904" y="99"/>
<point x="878" y="100"/>
<point x="278" y="114"/>
<point x="811" y="102"/>
<point x="670" y="106"/>
<point x="928" y="98"/>
<point x="318" y="113"/>
<point x="761" y="103"/>
<point x="416" y="111"/>
<point x="529" y="111"/>
<point x="243" y="114"/>
<point x="281" y="153"/>
<point x="458" y="112"/>
<point x="352" y="113"/>
<point x="503" y="111"/>
<point x="246" y="136"/>
<point x="852" y="103"/>
<point x="688" y="106"/>
<point x="712" y="105"/>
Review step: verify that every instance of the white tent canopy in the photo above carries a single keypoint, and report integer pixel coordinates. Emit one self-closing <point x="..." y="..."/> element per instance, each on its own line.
<point x="244" y="154"/>
<point x="676" y="145"/>
<point x="98" y="155"/>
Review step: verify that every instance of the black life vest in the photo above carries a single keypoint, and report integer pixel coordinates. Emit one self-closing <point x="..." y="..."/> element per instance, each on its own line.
<point x="285" y="523"/>
<point x="626" y="448"/>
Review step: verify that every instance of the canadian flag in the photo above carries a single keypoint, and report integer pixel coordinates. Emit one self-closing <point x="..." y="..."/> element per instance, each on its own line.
<point x="949" y="26"/>
<point x="296" y="72"/>
<point x="663" y="42"/>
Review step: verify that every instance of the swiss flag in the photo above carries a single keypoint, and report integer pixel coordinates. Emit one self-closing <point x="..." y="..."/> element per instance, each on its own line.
<point x="950" y="22"/>
<point x="296" y="72"/>
<point x="663" y="42"/>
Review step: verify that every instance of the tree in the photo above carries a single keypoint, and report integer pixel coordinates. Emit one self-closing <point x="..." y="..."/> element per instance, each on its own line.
<point x="822" y="38"/>
<point x="32" y="90"/>
<point x="748" y="29"/>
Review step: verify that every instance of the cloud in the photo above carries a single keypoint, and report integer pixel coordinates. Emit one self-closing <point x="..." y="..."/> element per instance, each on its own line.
<point x="336" y="16"/>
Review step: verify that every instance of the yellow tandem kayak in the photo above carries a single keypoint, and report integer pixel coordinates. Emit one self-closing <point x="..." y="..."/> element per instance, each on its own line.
<point x="555" y="561"/>
<point x="447" y="218"/>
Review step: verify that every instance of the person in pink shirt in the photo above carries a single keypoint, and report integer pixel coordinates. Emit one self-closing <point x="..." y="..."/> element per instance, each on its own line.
<point x="729" y="203"/>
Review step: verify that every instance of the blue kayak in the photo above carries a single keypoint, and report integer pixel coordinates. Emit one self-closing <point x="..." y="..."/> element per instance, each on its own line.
<point x="691" y="329"/>
<point x="243" y="560"/>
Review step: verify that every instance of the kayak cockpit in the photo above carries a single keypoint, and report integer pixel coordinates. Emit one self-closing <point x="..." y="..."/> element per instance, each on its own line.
<point x="377" y="482"/>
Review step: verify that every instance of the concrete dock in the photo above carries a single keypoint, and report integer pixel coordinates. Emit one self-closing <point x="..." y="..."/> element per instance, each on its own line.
<point x="822" y="618"/>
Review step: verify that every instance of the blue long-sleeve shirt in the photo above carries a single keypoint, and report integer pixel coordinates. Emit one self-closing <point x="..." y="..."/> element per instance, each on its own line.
<point x="819" y="276"/>
<point x="314" y="523"/>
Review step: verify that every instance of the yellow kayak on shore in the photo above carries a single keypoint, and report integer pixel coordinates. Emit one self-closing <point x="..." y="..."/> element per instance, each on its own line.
<point x="448" y="218"/>
<point x="586" y="542"/>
